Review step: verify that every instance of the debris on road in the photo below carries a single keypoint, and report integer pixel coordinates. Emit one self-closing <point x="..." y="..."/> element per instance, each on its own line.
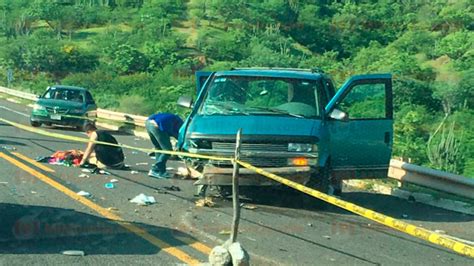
<point x="66" y="158"/>
<point x="248" y="206"/>
<point x="143" y="200"/>
<point x="206" y="202"/>
<point x="173" y="188"/>
<point x="100" y="172"/>
<point x="113" y="180"/>
<point x="109" y="185"/>
<point x="141" y="164"/>
<point x="84" y="176"/>
<point x="84" y="193"/>
<point x="133" y="172"/>
<point x="74" y="253"/>
<point x="182" y="171"/>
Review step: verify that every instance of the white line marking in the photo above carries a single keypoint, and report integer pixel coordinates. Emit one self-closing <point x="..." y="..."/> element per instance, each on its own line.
<point x="16" y="112"/>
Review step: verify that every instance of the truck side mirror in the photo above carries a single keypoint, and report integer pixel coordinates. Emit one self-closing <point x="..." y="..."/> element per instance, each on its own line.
<point x="185" y="101"/>
<point x="339" y="115"/>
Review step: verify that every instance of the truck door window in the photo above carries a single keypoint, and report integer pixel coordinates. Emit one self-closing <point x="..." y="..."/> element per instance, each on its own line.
<point x="365" y="101"/>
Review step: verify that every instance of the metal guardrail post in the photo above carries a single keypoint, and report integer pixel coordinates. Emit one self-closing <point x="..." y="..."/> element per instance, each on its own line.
<point x="235" y="189"/>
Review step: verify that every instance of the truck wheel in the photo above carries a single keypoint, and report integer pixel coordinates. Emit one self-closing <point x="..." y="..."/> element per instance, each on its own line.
<point x="320" y="181"/>
<point x="35" y="123"/>
<point x="336" y="184"/>
<point x="224" y="191"/>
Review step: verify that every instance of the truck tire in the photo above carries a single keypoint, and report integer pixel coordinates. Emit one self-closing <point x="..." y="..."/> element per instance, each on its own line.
<point x="320" y="181"/>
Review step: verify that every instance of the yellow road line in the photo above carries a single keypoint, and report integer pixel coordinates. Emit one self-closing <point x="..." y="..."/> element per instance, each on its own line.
<point x="179" y="254"/>
<point x="194" y="244"/>
<point x="33" y="162"/>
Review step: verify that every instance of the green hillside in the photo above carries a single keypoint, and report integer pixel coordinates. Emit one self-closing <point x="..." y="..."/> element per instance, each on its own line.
<point x="138" y="56"/>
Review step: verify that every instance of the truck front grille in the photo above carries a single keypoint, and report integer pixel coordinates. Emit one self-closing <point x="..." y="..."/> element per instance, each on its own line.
<point x="280" y="147"/>
<point x="249" y="147"/>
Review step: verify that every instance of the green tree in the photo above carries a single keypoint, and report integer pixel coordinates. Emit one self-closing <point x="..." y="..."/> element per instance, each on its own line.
<point x="127" y="59"/>
<point x="456" y="44"/>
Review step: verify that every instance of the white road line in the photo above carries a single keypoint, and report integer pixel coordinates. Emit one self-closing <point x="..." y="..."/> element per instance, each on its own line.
<point x="16" y="112"/>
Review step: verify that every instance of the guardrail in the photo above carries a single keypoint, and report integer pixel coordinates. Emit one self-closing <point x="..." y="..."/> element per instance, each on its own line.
<point x="137" y="120"/>
<point x="19" y="94"/>
<point x="404" y="172"/>
<point x="427" y="177"/>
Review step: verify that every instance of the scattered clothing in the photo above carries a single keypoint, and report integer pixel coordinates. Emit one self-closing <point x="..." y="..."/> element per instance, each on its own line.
<point x="67" y="158"/>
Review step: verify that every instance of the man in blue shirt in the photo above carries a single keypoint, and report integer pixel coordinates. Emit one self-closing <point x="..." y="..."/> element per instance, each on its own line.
<point x="160" y="128"/>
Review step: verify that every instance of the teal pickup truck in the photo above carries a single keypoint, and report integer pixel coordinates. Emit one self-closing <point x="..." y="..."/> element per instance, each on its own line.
<point x="294" y="124"/>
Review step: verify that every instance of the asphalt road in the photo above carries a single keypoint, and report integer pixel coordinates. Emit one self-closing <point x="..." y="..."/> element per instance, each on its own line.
<point x="40" y="216"/>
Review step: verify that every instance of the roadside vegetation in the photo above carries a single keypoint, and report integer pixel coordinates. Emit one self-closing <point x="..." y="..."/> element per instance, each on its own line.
<point x="138" y="56"/>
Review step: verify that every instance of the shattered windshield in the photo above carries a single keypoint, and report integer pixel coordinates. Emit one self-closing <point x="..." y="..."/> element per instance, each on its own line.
<point x="248" y="95"/>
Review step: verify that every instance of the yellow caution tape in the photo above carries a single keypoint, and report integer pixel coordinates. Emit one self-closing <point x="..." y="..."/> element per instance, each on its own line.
<point x="410" y="229"/>
<point x="86" y="140"/>
<point x="99" y="119"/>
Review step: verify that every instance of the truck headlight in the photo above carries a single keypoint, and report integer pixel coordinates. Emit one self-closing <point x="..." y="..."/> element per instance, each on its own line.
<point x="38" y="107"/>
<point x="302" y="147"/>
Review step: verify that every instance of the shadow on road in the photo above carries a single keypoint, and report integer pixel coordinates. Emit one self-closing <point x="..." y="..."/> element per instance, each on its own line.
<point x="26" y="229"/>
<point x="9" y="142"/>
<point x="385" y="204"/>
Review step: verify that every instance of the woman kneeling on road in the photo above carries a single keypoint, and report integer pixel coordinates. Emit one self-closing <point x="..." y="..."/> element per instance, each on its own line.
<point x="100" y="154"/>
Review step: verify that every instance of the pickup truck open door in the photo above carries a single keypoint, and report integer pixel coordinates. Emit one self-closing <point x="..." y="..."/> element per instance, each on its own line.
<point x="360" y="119"/>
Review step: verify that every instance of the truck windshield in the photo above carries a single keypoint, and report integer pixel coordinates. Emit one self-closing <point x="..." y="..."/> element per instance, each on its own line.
<point x="249" y="95"/>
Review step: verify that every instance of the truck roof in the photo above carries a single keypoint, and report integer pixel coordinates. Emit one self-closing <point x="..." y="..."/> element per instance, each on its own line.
<point x="273" y="72"/>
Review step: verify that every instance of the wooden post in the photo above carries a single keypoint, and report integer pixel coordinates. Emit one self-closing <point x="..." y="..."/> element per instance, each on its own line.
<point x="235" y="190"/>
